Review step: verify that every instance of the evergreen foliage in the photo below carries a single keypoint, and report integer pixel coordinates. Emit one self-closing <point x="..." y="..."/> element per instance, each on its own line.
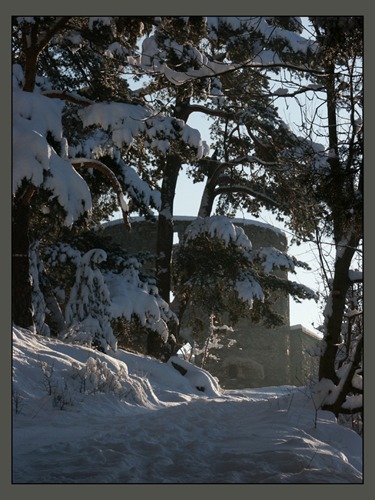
<point x="101" y="121"/>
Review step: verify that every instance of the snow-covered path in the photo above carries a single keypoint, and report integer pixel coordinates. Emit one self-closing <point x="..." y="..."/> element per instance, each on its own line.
<point x="265" y="435"/>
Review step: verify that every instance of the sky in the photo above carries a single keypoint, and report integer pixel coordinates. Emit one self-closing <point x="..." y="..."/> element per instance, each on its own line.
<point x="84" y="417"/>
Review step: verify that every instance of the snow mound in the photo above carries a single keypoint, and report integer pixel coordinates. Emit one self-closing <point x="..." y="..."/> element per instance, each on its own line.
<point x="198" y="378"/>
<point x="82" y="417"/>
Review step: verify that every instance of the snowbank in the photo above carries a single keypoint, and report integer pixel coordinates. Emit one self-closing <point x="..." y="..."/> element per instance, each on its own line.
<point x="84" y="417"/>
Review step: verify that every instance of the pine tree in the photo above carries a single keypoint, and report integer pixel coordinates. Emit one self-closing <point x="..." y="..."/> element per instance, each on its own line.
<point x="88" y="308"/>
<point x="101" y="120"/>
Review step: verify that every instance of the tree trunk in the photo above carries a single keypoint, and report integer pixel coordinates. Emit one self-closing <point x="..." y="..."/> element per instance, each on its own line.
<point x="207" y="200"/>
<point x="165" y="226"/>
<point x="345" y="243"/>
<point x="21" y="279"/>
<point x="22" y="314"/>
<point x="165" y="223"/>
<point x="335" y="309"/>
<point x="208" y="195"/>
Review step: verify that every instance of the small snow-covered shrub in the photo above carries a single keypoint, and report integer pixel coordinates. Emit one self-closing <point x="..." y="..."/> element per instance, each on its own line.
<point x="56" y="386"/>
<point x="89" y="304"/>
<point x="62" y="394"/>
<point x="48" y="376"/>
<point x="96" y="376"/>
<point x="18" y="402"/>
<point x="76" y="335"/>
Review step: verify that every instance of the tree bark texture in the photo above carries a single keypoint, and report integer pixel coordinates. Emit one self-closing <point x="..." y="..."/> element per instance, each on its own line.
<point x="345" y="238"/>
<point x="165" y="226"/>
<point x="333" y="321"/>
<point x="21" y="279"/>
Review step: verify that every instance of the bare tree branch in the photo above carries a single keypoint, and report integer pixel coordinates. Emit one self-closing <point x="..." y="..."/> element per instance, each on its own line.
<point x="240" y="188"/>
<point x="107" y="172"/>
<point x="60" y="23"/>
<point x="68" y="96"/>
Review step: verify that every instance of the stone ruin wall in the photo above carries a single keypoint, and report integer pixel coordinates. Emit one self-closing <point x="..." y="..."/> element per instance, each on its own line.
<point x="261" y="357"/>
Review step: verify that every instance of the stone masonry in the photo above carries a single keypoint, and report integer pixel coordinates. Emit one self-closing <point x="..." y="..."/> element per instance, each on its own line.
<point x="259" y="356"/>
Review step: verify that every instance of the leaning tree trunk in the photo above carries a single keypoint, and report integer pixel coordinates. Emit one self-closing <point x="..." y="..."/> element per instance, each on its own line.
<point x="208" y="195"/>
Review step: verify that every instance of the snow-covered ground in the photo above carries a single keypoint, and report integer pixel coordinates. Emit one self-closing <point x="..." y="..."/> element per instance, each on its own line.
<point x="83" y="417"/>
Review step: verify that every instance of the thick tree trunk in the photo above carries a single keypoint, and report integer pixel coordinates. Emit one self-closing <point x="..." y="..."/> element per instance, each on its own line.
<point x="207" y="200"/>
<point x="21" y="279"/>
<point x="335" y="310"/>
<point x="165" y="226"/>
<point x="338" y="192"/>
<point x="208" y="196"/>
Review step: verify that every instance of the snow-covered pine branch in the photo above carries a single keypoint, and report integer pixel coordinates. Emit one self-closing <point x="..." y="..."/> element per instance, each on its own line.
<point x="34" y="118"/>
<point x="253" y="271"/>
<point x="125" y="122"/>
<point x="131" y="297"/>
<point x="89" y="306"/>
<point x="199" y="66"/>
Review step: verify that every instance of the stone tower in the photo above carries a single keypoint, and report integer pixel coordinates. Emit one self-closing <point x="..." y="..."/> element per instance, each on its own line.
<point x="258" y="356"/>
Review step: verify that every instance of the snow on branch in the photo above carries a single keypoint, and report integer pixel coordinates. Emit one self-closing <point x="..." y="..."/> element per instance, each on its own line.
<point x="153" y="53"/>
<point x="331" y="396"/>
<point x="33" y="157"/>
<point x="68" y="96"/>
<point x="248" y="25"/>
<point x="248" y="289"/>
<point x="88" y="307"/>
<point x="125" y="122"/>
<point x="131" y="297"/>
<point x="220" y="227"/>
<point x="139" y="190"/>
<point x="151" y="61"/>
<point x="272" y="258"/>
<point x="34" y="118"/>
